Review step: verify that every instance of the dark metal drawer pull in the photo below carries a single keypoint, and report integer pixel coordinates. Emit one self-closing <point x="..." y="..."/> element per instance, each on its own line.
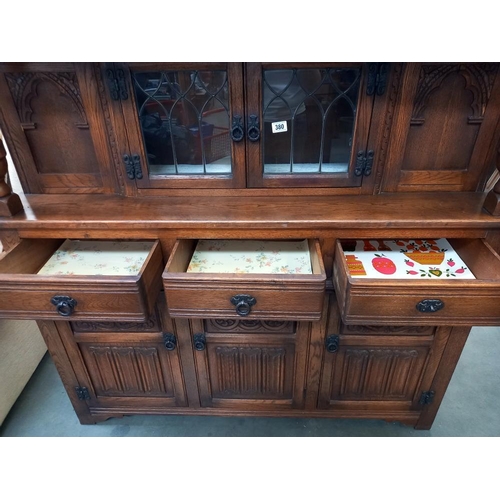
<point x="64" y="305"/>
<point x="430" y="305"/>
<point x="243" y="304"/>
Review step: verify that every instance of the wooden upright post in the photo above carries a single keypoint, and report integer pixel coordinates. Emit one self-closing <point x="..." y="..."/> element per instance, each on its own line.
<point x="492" y="200"/>
<point x="10" y="203"/>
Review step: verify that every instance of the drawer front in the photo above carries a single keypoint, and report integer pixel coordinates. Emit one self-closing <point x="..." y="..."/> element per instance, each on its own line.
<point x="26" y="294"/>
<point x="455" y="308"/>
<point x="398" y="302"/>
<point x="272" y="303"/>
<point x="290" y="297"/>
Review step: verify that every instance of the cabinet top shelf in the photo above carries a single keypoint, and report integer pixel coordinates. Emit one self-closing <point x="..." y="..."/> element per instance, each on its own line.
<point x="408" y="211"/>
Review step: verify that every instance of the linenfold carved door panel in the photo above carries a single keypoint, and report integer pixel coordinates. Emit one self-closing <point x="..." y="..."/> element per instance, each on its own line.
<point x="126" y="365"/>
<point x="444" y="134"/>
<point x="250" y="364"/>
<point x="56" y="125"/>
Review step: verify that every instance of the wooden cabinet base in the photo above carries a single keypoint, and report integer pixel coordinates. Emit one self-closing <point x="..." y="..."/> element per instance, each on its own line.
<point x="406" y="418"/>
<point x="254" y="368"/>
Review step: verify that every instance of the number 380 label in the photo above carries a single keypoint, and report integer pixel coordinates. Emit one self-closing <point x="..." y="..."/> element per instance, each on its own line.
<point x="278" y="127"/>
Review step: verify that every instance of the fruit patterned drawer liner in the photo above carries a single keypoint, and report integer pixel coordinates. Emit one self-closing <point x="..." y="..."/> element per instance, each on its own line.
<point x="405" y="259"/>
<point x="251" y="256"/>
<point x="98" y="258"/>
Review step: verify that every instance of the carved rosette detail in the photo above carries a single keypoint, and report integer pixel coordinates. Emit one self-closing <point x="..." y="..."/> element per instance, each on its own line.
<point x="479" y="80"/>
<point x="23" y="87"/>
<point x="249" y="325"/>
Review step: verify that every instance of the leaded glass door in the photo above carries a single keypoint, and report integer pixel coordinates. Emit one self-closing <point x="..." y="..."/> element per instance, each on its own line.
<point x="182" y="121"/>
<point x="311" y="124"/>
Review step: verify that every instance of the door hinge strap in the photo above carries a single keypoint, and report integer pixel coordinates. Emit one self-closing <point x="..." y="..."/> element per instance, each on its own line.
<point x="377" y="78"/>
<point x="117" y="84"/>
<point x="426" y="398"/>
<point x="364" y="163"/>
<point x="82" y="393"/>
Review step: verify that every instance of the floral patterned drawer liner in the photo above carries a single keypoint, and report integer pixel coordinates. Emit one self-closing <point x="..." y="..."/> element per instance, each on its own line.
<point x="406" y="259"/>
<point x="251" y="256"/>
<point x="98" y="258"/>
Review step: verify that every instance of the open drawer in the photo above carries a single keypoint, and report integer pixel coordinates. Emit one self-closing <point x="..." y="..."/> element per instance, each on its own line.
<point x="424" y="301"/>
<point x="87" y="280"/>
<point x="245" y="293"/>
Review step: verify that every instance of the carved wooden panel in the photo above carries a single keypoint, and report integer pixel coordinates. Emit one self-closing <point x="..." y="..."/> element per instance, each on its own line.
<point x="251" y="372"/>
<point x="378" y="373"/>
<point x="53" y="118"/>
<point x="387" y="330"/>
<point x="128" y="370"/>
<point x="442" y="139"/>
<point x="249" y="326"/>
<point x="477" y="78"/>
<point x="448" y="110"/>
<point x="151" y="325"/>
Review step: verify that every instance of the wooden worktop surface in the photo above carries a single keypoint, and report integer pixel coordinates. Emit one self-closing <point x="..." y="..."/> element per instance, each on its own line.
<point x="395" y="210"/>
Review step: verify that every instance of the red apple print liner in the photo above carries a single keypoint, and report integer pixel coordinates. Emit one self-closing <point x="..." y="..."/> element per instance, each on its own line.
<point x="383" y="265"/>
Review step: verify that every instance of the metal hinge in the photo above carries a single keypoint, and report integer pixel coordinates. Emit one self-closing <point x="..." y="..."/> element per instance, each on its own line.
<point x="364" y="163"/>
<point x="133" y="166"/>
<point x="377" y="78"/>
<point x="117" y="84"/>
<point x="82" y="393"/>
<point x="426" y="398"/>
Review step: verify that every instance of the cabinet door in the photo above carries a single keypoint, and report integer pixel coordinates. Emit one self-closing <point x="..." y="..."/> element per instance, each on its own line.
<point x="128" y="367"/>
<point x="443" y="135"/>
<point x="54" y="122"/>
<point x="183" y="124"/>
<point x="307" y="124"/>
<point x="251" y="365"/>
<point x="386" y="370"/>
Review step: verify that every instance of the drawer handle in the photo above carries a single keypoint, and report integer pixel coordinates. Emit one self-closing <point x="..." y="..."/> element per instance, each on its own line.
<point x="64" y="305"/>
<point x="430" y="305"/>
<point x="199" y="341"/>
<point x="332" y="343"/>
<point x="243" y="304"/>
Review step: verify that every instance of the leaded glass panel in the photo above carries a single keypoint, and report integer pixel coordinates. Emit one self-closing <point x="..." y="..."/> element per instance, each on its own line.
<point x="309" y="117"/>
<point x="184" y="119"/>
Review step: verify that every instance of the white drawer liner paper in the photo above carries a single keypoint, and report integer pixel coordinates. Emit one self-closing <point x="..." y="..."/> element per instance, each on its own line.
<point x="251" y="256"/>
<point x="98" y="258"/>
<point x="406" y="259"/>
